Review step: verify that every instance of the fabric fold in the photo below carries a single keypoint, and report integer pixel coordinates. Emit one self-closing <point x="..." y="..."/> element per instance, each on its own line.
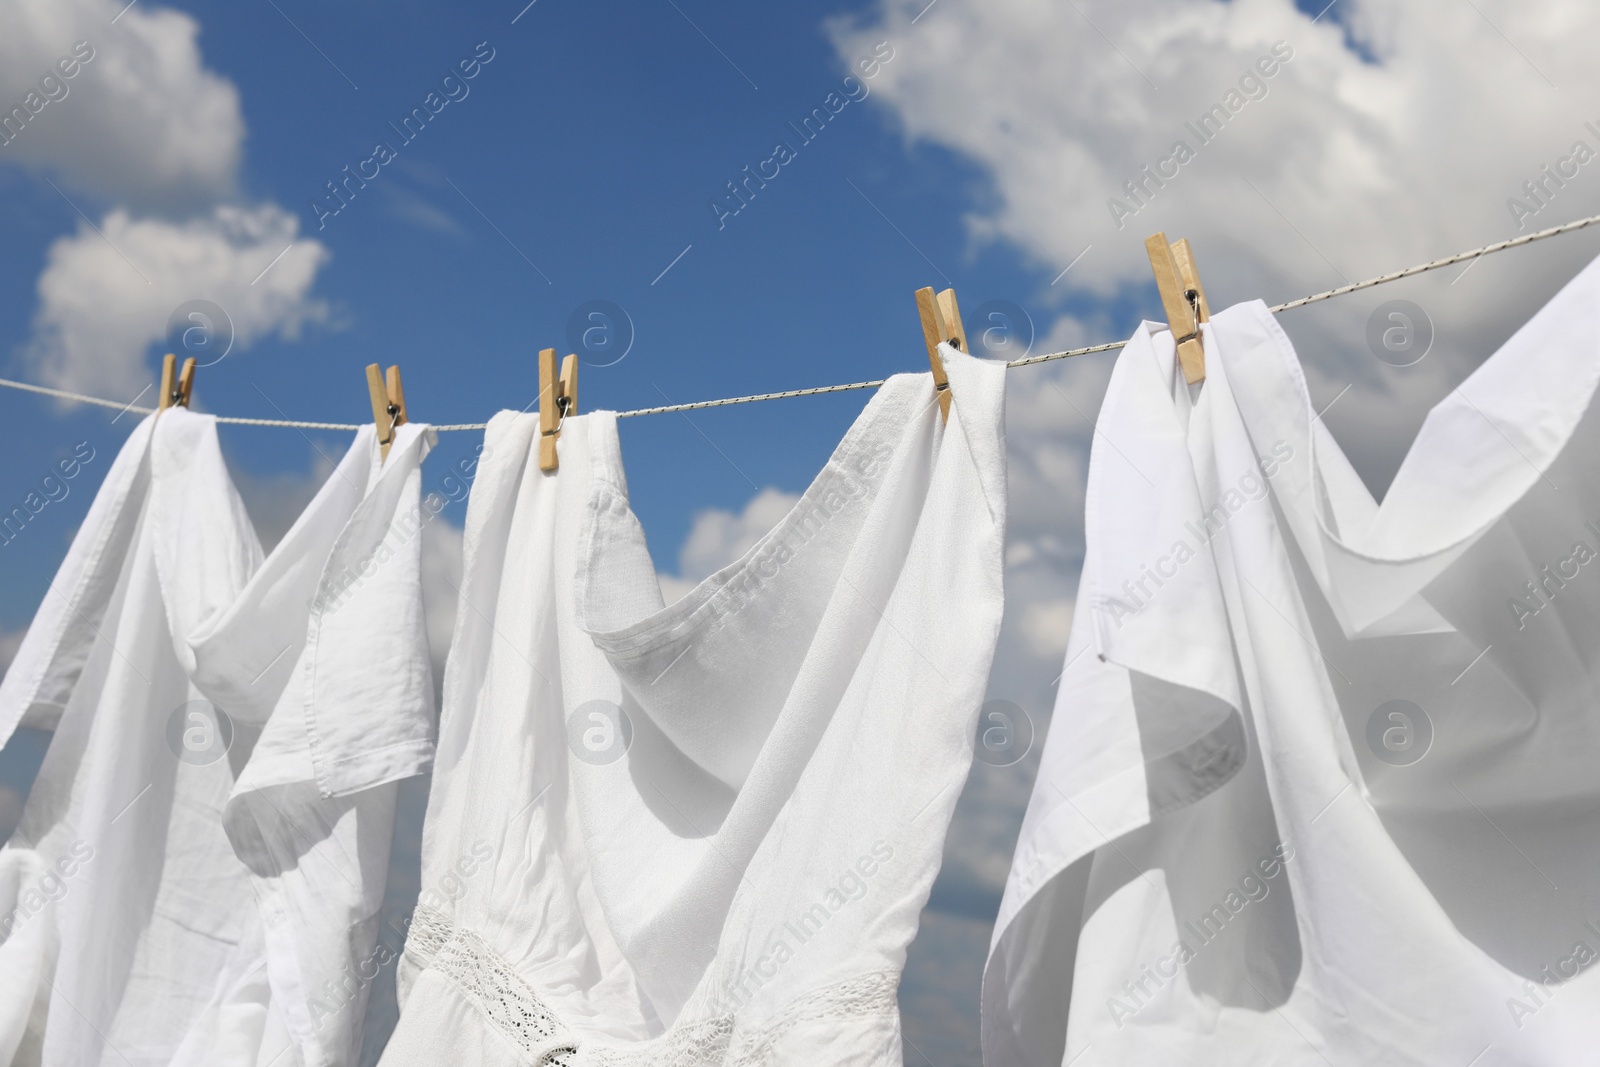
<point x="185" y="888"/>
<point x="1364" y="868"/>
<point x="125" y="918"/>
<point x="327" y="646"/>
<point x="703" y="833"/>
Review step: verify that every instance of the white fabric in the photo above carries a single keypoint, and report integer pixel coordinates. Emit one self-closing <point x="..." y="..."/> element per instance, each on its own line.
<point x="327" y="646"/>
<point x="129" y="916"/>
<point x="129" y="931"/>
<point x="740" y="886"/>
<point x="1240" y="850"/>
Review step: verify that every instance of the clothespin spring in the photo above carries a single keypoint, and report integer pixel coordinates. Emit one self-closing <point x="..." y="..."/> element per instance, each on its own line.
<point x="388" y="401"/>
<point x="558" y="398"/>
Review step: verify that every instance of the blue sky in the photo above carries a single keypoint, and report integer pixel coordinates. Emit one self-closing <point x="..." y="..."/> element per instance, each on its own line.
<point x="590" y="146"/>
<point x="578" y="168"/>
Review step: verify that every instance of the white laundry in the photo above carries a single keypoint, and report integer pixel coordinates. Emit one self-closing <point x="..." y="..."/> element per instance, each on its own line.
<point x="124" y="915"/>
<point x="703" y="834"/>
<point x="142" y="937"/>
<point x="327" y="647"/>
<point x="1318" y="767"/>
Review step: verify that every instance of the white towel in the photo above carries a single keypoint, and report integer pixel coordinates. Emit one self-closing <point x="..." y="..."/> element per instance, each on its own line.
<point x="1320" y="782"/>
<point x="703" y="834"/>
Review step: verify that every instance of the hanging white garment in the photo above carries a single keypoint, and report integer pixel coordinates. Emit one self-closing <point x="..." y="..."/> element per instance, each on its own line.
<point x="136" y="934"/>
<point x="703" y="834"/>
<point x="124" y="915"/>
<point x="325" y="650"/>
<point x="1320" y="786"/>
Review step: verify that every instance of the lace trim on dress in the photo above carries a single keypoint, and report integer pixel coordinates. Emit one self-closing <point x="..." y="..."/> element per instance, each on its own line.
<point x="719" y="1041"/>
<point x="870" y="995"/>
<point x="504" y="998"/>
<point x="427" y="934"/>
<point x="509" y="1003"/>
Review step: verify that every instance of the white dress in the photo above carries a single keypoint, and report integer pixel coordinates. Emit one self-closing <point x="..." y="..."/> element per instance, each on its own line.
<point x="703" y="834"/>
<point x="1320" y="786"/>
<point x="130" y="930"/>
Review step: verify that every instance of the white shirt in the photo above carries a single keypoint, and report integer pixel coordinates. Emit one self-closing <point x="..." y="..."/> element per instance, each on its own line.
<point x="703" y="834"/>
<point x="136" y="934"/>
<point x="128" y="913"/>
<point x="1314" y="776"/>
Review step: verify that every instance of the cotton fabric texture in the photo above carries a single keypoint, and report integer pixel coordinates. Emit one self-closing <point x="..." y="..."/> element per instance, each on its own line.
<point x="327" y="648"/>
<point x="1320" y="782"/>
<point x="208" y="835"/>
<point x="702" y="834"/>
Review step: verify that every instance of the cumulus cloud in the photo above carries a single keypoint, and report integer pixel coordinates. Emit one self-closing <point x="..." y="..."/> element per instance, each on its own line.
<point x="115" y="102"/>
<point x="1401" y="131"/>
<point x="1045" y="626"/>
<point x="106" y="294"/>
<point x="142" y="122"/>
<point x="1385" y="135"/>
<point x="274" y="501"/>
<point x="718" y="537"/>
<point x="441" y="580"/>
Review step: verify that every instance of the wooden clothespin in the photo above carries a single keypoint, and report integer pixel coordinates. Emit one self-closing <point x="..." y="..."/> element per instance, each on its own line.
<point x="175" y="387"/>
<point x="1183" y="299"/>
<point x="388" y="404"/>
<point x="558" y="398"/>
<point x="941" y="323"/>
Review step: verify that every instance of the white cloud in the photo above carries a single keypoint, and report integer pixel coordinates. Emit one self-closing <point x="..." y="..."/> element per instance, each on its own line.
<point x="1046" y="625"/>
<point x="142" y="122"/>
<point x="274" y="501"/>
<point x="719" y="537"/>
<point x="105" y="297"/>
<point x="441" y="578"/>
<point x="1403" y="143"/>
<point x="673" y="588"/>
<point x="1397" y="133"/>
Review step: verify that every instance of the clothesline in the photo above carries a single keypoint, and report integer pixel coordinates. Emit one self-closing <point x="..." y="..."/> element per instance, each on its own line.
<point x="1028" y="361"/>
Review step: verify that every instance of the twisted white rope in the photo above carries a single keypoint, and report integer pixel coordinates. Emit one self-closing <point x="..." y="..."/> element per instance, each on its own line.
<point x="1029" y="361"/>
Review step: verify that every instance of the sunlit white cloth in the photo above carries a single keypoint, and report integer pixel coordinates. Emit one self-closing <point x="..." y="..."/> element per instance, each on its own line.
<point x="127" y="921"/>
<point x="1320" y="785"/>
<point x="703" y="834"/>
<point x="326" y="651"/>
<point x="130" y="930"/>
